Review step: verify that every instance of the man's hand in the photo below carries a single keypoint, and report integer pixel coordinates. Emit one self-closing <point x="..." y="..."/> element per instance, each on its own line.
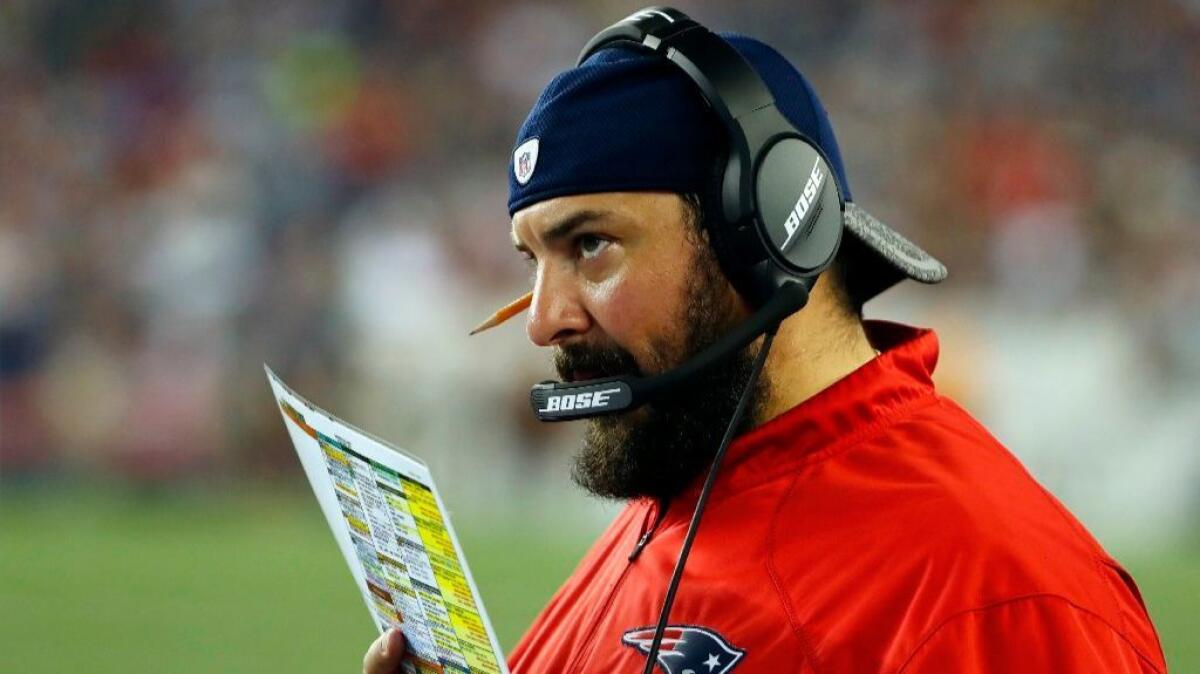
<point x="383" y="656"/>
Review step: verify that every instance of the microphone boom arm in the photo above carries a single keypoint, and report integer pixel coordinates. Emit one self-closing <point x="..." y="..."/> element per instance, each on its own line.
<point x="568" y="401"/>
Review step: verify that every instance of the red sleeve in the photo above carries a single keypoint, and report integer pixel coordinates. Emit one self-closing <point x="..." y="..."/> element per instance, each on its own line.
<point x="1034" y="635"/>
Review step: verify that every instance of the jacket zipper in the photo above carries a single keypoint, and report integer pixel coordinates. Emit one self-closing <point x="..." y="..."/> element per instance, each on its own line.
<point x="654" y="517"/>
<point x="658" y="510"/>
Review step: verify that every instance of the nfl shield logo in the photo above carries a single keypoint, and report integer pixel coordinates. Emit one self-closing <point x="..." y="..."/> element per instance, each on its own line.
<point x="525" y="160"/>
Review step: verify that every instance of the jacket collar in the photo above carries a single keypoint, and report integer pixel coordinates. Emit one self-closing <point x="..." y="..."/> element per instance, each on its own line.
<point x="859" y="403"/>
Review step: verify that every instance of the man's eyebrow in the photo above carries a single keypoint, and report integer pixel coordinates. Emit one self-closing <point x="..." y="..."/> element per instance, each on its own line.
<point x="563" y="228"/>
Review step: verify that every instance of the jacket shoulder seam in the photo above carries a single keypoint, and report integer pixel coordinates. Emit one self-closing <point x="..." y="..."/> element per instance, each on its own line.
<point x="785" y="600"/>
<point x="1029" y="598"/>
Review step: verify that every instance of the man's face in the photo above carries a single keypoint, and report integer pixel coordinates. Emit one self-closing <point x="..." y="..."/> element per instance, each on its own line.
<point x="625" y="284"/>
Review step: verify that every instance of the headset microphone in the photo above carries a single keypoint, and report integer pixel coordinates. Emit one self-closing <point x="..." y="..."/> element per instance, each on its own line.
<point x="559" y="401"/>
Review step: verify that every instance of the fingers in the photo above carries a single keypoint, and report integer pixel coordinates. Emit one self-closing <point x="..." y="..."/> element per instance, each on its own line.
<point x="383" y="657"/>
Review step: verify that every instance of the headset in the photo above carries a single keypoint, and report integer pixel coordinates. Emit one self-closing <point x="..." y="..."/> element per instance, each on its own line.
<point x="777" y="223"/>
<point x="777" y="226"/>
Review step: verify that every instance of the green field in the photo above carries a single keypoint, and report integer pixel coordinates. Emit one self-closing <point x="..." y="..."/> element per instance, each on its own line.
<point x="100" y="583"/>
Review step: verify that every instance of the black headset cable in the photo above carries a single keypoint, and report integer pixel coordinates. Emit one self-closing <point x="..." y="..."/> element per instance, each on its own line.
<point x="702" y="501"/>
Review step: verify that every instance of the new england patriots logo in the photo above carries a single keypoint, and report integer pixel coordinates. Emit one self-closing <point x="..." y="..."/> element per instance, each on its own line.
<point x="686" y="649"/>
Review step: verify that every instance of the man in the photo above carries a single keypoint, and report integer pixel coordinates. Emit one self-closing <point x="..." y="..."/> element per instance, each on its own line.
<point x="861" y="522"/>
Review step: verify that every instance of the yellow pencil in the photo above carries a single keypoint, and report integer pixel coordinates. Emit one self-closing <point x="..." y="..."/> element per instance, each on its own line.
<point x="508" y="311"/>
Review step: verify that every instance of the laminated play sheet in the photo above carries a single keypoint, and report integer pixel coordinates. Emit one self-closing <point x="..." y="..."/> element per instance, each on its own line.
<point x="389" y="522"/>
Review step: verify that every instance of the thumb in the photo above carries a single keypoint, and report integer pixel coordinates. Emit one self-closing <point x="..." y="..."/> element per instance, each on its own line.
<point x="383" y="657"/>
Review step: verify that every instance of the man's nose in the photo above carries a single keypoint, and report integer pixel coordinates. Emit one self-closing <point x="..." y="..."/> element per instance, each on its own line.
<point x="557" y="312"/>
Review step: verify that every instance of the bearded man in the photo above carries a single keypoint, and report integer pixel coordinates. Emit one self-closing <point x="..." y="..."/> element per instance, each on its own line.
<point x="861" y="521"/>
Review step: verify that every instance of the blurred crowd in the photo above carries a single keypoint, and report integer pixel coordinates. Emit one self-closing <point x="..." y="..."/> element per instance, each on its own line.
<point x="192" y="188"/>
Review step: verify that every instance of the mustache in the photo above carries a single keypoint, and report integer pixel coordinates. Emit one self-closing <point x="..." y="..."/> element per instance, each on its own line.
<point x="575" y="362"/>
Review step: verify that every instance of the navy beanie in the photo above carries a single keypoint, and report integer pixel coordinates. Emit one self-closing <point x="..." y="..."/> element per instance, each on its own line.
<point x="627" y="120"/>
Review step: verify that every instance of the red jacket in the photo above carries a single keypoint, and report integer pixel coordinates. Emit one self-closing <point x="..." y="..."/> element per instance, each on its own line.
<point x="876" y="527"/>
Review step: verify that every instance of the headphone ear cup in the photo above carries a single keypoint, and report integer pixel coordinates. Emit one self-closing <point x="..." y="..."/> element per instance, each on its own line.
<point x="736" y="245"/>
<point x="800" y="208"/>
<point x="713" y="216"/>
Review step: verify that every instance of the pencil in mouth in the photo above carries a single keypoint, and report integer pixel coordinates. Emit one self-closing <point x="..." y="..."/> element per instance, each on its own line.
<point x="504" y="313"/>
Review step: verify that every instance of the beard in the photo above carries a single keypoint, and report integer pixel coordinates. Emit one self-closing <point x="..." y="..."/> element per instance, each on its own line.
<point x="659" y="449"/>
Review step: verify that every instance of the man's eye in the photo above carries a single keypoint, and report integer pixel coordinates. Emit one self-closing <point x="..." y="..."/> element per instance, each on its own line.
<point x="590" y="246"/>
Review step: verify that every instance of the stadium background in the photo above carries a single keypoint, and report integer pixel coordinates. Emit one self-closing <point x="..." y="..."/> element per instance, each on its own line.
<point x="189" y="189"/>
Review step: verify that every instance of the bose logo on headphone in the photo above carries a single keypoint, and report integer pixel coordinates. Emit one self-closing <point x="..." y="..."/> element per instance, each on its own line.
<point x="808" y="197"/>
<point x="578" y="401"/>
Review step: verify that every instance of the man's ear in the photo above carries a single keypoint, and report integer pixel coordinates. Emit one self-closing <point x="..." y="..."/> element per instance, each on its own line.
<point x="693" y="220"/>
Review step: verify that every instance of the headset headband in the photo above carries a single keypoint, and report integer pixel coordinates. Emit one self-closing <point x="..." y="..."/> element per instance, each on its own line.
<point x="729" y="85"/>
<point x="759" y="188"/>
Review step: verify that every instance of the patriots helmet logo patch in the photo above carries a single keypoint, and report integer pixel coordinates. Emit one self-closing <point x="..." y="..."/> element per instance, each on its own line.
<point x="687" y="649"/>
